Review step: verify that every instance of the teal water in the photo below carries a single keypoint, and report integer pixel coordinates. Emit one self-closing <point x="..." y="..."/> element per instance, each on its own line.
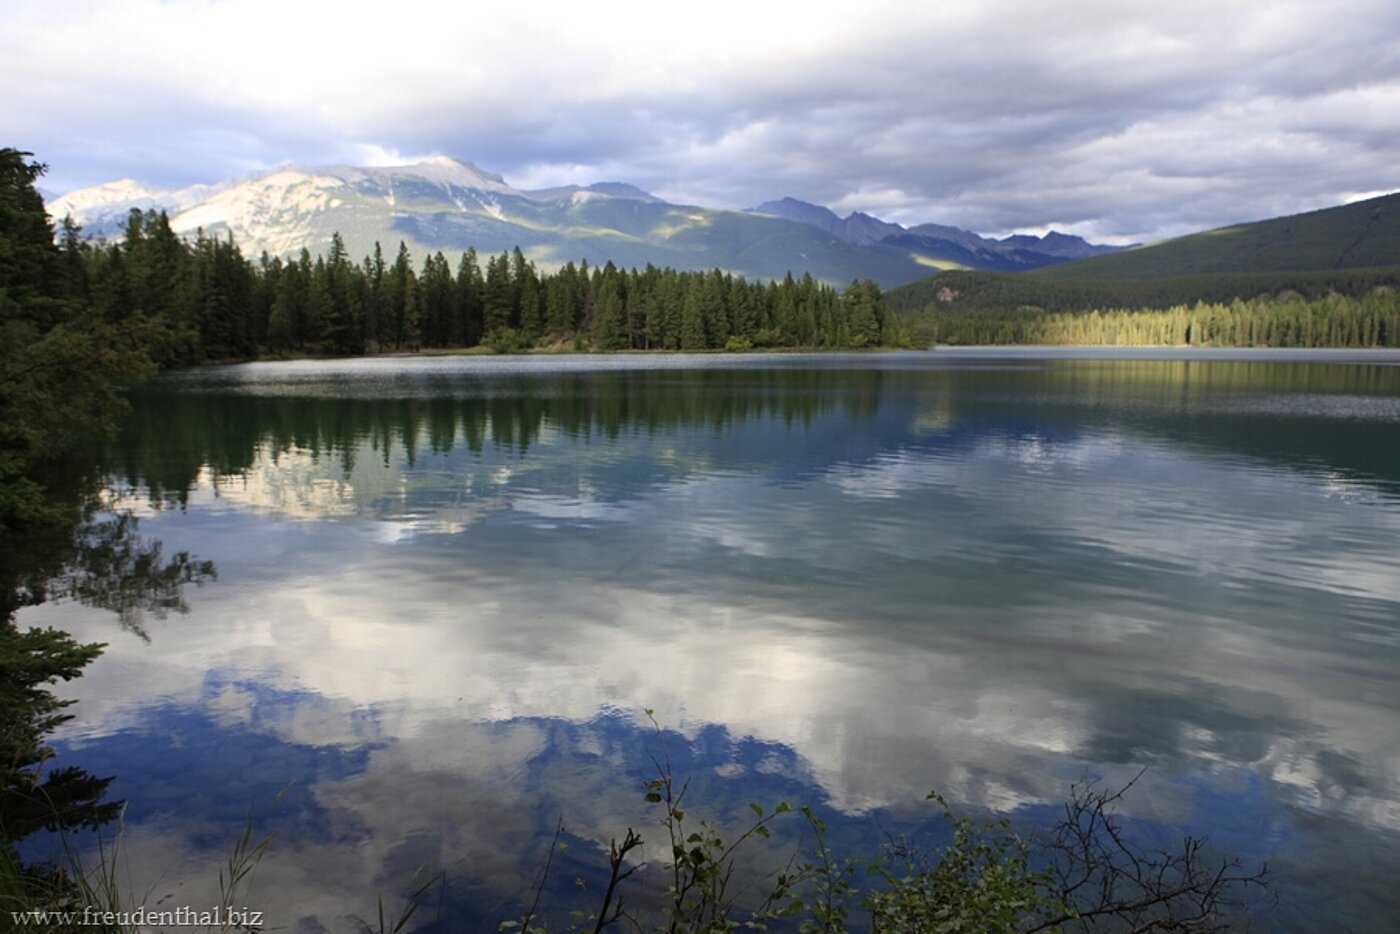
<point x="447" y="589"/>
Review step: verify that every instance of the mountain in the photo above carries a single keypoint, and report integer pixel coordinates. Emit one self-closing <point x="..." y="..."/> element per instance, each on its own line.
<point x="611" y="189"/>
<point x="449" y="205"/>
<point x="940" y="245"/>
<point x="102" y="209"/>
<point x="861" y="229"/>
<point x="1353" y="236"/>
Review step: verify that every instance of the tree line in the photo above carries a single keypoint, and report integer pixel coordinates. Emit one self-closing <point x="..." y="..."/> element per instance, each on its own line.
<point x="1371" y="320"/>
<point x="63" y="371"/>
<point x="214" y="304"/>
<point x="969" y="290"/>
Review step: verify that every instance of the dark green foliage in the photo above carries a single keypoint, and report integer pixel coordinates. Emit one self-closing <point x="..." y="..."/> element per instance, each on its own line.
<point x="498" y="296"/>
<point x="982" y="881"/>
<point x="469" y="327"/>
<point x="562" y="306"/>
<point x="202" y="301"/>
<point x="30" y="797"/>
<point x="402" y="288"/>
<point x="344" y="312"/>
<point x="65" y="361"/>
<point x="865" y="311"/>
<point x="506" y="340"/>
<point x="438" y="296"/>
<point x="609" y="326"/>
<point x="62" y="365"/>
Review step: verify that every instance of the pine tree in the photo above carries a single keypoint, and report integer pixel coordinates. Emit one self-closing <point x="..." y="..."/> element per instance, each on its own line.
<point x="374" y="301"/>
<point x="608" y="331"/>
<point x="692" y="334"/>
<point x="469" y="299"/>
<point x="863" y="313"/>
<point x="343" y="326"/>
<point x="499" y="298"/>
<point x="436" y="288"/>
<point x="561" y="313"/>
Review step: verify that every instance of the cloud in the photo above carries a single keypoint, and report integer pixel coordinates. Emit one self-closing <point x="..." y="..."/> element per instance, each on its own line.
<point x="1108" y="119"/>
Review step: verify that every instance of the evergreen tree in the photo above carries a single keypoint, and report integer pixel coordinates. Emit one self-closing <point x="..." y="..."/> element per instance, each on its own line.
<point x="608" y="331"/>
<point x="374" y="300"/>
<point x="561" y="310"/>
<point x="469" y="299"/>
<point x="864" y="313"/>
<point x="343" y="327"/>
<point x="316" y="322"/>
<point x="436" y="290"/>
<point x="499" y="297"/>
<point x="403" y="300"/>
<point x="531" y="304"/>
<point x="692" y="334"/>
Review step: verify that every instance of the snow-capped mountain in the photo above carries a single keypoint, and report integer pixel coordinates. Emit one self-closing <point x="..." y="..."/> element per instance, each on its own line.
<point x="449" y="205"/>
<point x="103" y="209"/>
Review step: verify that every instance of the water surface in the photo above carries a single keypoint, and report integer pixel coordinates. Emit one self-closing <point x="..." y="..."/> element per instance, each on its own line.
<point x="448" y="588"/>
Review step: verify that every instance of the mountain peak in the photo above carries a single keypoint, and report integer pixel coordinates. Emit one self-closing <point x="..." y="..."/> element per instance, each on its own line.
<point x="860" y="229"/>
<point x="452" y="170"/>
<point x="123" y="189"/>
<point x="578" y="194"/>
<point x="1057" y="244"/>
<point x="802" y="211"/>
<point x="622" y="190"/>
<point x="109" y="202"/>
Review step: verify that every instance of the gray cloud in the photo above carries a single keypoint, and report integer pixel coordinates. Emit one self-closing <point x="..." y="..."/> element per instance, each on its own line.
<point x="1110" y="119"/>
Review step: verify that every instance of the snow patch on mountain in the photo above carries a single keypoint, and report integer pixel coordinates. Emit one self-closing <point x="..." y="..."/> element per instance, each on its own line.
<point x="102" y="209"/>
<point x="273" y="211"/>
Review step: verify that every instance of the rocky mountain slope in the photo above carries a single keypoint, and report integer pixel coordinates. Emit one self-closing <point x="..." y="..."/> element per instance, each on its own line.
<point x="449" y="205"/>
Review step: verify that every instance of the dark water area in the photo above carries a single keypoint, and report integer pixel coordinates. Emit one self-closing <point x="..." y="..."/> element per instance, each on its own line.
<point x="448" y="589"/>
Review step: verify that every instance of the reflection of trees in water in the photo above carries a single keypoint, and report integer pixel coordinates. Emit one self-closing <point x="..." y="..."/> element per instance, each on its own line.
<point x="115" y="568"/>
<point x="173" y="436"/>
<point x="1302" y="416"/>
<point x="100" y="559"/>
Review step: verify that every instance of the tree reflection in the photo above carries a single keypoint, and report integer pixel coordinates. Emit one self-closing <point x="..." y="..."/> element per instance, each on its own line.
<point x="79" y="552"/>
<point x="114" y="568"/>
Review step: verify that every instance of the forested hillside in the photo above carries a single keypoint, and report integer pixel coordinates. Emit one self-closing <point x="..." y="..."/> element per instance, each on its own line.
<point x="1352" y="236"/>
<point x="1318" y="308"/>
<point x="957" y="291"/>
<point x="1333" y="321"/>
<point x="210" y="303"/>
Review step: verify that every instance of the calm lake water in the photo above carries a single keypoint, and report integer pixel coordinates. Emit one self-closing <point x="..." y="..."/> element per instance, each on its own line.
<point x="447" y="589"/>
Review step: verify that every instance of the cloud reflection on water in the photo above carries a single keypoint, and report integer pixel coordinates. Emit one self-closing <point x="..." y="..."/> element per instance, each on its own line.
<point x="909" y="585"/>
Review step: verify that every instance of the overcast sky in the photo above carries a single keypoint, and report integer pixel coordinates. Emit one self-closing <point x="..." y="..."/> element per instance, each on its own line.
<point x="1114" y="119"/>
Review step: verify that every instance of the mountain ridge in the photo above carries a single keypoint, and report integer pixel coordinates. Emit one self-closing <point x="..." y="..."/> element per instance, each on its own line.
<point x="450" y="204"/>
<point x="1015" y="253"/>
<point x="1362" y="234"/>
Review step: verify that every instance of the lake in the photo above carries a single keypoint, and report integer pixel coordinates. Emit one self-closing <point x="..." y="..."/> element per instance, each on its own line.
<point x="442" y="594"/>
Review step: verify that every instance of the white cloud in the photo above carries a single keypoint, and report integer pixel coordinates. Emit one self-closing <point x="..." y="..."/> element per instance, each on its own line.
<point x="1109" y="119"/>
